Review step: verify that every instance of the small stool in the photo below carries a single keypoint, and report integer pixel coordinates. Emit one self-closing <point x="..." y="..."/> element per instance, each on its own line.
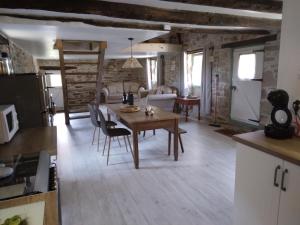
<point x="171" y="131"/>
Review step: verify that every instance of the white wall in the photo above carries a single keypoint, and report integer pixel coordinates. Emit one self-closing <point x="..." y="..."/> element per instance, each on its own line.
<point x="289" y="56"/>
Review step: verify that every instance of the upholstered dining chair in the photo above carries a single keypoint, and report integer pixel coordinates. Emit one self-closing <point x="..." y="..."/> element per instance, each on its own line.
<point x="111" y="133"/>
<point x="96" y="123"/>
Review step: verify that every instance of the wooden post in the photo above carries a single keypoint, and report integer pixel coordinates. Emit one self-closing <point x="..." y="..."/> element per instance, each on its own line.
<point x="102" y="46"/>
<point x="59" y="45"/>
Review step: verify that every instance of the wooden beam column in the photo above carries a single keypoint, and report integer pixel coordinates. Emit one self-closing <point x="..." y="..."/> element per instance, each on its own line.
<point x="102" y="47"/>
<point x="60" y="46"/>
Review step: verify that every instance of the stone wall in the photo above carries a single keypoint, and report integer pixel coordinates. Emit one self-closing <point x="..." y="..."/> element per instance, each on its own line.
<point x="270" y="73"/>
<point x="113" y="71"/>
<point x="22" y="61"/>
<point x="84" y="92"/>
<point x="172" y="70"/>
<point x="222" y="65"/>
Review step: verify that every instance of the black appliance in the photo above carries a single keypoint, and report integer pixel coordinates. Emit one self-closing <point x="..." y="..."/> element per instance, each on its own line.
<point x="281" y="116"/>
<point x="130" y="98"/>
<point x="32" y="174"/>
<point x="26" y="92"/>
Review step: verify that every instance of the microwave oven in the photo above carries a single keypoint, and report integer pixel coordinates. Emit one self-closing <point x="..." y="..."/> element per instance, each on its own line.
<point x="9" y="124"/>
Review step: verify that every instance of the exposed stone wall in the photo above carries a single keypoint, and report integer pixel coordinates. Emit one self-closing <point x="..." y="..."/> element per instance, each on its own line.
<point x="172" y="70"/>
<point x="83" y="93"/>
<point x="270" y="72"/>
<point x="22" y="61"/>
<point x="222" y="65"/>
<point x="113" y="71"/>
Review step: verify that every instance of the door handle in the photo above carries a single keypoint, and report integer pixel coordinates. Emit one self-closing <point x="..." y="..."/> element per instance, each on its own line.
<point x="283" y="187"/>
<point x="233" y="88"/>
<point x="276" y="184"/>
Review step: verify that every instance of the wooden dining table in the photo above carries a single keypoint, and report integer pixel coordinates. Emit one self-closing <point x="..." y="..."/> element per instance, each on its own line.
<point x="138" y="121"/>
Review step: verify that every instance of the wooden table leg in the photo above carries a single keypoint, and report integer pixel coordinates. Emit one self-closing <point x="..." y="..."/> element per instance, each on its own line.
<point x="176" y="139"/>
<point x="135" y="148"/>
<point x="199" y="105"/>
<point x="186" y="113"/>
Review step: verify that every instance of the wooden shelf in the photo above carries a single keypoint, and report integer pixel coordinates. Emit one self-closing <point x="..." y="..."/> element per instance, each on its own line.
<point x="80" y="53"/>
<point x="80" y="82"/>
<point x="81" y="63"/>
<point x="81" y="74"/>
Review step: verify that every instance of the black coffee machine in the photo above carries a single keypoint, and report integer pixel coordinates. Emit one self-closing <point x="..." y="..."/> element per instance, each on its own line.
<point x="281" y="116"/>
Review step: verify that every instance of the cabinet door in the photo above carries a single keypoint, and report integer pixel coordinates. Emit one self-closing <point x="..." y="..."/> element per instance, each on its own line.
<point x="289" y="210"/>
<point x="256" y="197"/>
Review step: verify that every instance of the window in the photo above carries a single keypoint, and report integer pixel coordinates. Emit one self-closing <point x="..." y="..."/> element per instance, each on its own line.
<point x="55" y="80"/>
<point x="152" y="73"/>
<point x="247" y="66"/>
<point x="196" y="69"/>
<point x="193" y="70"/>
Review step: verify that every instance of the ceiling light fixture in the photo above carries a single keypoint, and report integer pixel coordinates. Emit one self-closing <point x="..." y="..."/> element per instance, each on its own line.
<point x="131" y="63"/>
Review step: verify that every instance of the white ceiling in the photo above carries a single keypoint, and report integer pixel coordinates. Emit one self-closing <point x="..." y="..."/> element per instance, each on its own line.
<point x="200" y="8"/>
<point x="38" y="37"/>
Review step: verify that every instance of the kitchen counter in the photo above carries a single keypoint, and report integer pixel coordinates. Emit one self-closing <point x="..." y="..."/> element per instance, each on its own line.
<point x="288" y="149"/>
<point x="31" y="140"/>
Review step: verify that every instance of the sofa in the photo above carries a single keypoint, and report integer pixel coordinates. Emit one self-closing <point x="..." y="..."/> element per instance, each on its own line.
<point x="162" y="97"/>
<point x="113" y="92"/>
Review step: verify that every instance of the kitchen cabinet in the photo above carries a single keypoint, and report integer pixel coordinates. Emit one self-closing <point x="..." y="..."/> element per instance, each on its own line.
<point x="267" y="189"/>
<point x="289" y="208"/>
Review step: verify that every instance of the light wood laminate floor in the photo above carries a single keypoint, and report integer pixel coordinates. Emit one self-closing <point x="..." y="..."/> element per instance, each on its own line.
<point x="196" y="190"/>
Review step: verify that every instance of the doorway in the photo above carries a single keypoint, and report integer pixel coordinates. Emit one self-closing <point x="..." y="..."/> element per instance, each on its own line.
<point x="54" y="86"/>
<point x="193" y="73"/>
<point x="247" y="84"/>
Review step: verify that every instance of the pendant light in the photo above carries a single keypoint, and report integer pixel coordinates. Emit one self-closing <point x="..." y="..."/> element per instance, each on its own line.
<point x="131" y="63"/>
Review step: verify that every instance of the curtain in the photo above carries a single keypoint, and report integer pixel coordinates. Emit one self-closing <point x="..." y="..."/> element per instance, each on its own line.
<point x="152" y="73"/>
<point x="206" y="83"/>
<point x="149" y="83"/>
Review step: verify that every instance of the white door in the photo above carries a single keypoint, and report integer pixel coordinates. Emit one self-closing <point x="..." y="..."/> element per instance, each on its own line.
<point x="246" y="84"/>
<point x="256" y="197"/>
<point x="289" y="211"/>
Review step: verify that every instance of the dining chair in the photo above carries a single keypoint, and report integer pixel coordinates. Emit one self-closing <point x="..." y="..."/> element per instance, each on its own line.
<point x="111" y="133"/>
<point x="171" y="131"/>
<point x="96" y="123"/>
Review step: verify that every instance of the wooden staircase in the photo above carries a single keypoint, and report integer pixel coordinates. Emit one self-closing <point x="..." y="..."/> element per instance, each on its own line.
<point x="80" y="87"/>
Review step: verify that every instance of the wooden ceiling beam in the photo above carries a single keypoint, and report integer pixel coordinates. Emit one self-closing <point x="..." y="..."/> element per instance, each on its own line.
<point x="99" y="23"/>
<point x="142" y="13"/>
<point x="143" y="26"/>
<point x="253" y="5"/>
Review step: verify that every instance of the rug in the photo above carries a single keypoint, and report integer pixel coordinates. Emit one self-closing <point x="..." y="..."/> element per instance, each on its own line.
<point x="229" y="132"/>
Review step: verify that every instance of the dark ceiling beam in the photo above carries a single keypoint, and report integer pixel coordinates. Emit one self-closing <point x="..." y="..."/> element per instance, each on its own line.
<point x="253" y="5"/>
<point x="99" y="23"/>
<point x="126" y="25"/>
<point x="251" y="42"/>
<point x="3" y="40"/>
<point x="139" y="12"/>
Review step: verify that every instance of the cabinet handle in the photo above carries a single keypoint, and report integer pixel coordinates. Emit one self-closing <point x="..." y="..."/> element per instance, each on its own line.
<point x="283" y="187"/>
<point x="276" y="184"/>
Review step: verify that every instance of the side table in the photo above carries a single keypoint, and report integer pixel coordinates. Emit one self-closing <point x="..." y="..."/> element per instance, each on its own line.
<point x="186" y="102"/>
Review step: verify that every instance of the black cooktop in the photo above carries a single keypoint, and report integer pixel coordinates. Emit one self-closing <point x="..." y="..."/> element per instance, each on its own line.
<point x="25" y="168"/>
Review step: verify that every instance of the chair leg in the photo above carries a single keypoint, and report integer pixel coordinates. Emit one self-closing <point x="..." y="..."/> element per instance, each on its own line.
<point x="98" y="140"/>
<point x="181" y="145"/>
<point x="104" y="145"/>
<point x="144" y="134"/>
<point x="94" y="135"/>
<point x="119" y="142"/>
<point x="109" y="140"/>
<point x="169" y="144"/>
<point x="130" y="146"/>
<point x="125" y="143"/>
<point x="153" y="132"/>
